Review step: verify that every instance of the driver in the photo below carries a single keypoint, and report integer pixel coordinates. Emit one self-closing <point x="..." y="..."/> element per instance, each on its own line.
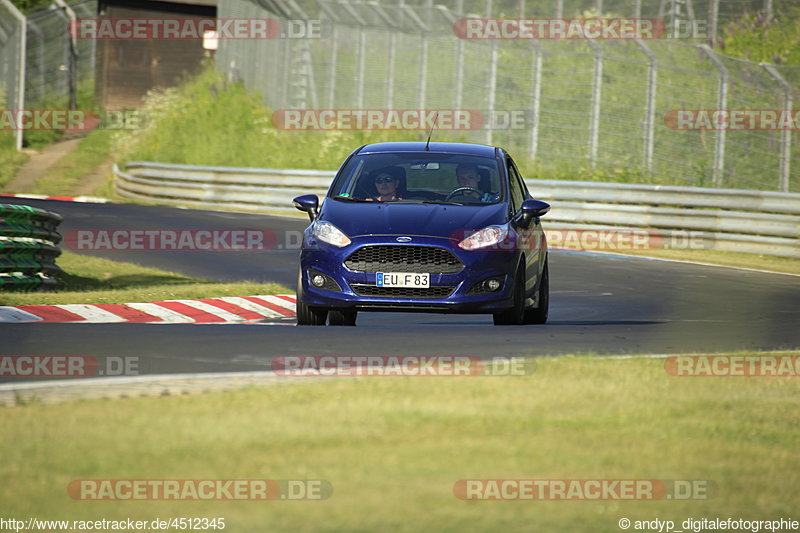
<point x="467" y="175"/>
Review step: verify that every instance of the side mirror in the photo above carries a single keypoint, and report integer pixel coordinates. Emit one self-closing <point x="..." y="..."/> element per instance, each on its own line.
<point x="308" y="203"/>
<point x="534" y="209"/>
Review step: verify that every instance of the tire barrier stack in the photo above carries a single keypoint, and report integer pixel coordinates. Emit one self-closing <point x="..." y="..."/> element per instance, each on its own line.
<point x="28" y="248"/>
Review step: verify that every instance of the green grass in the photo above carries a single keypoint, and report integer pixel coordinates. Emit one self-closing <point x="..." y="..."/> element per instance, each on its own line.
<point x="209" y="121"/>
<point x="106" y="190"/>
<point x="30" y="5"/>
<point x="67" y="172"/>
<point x="38" y="139"/>
<point x="757" y="261"/>
<point x="201" y="122"/>
<point x="393" y="448"/>
<point x="102" y="281"/>
<point x="10" y="159"/>
<point x="755" y="38"/>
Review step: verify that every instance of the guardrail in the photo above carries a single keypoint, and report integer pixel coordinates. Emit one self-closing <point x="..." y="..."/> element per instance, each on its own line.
<point x="28" y="247"/>
<point x="720" y="219"/>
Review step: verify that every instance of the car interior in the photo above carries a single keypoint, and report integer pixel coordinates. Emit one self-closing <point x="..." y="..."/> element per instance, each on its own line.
<point x="365" y="188"/>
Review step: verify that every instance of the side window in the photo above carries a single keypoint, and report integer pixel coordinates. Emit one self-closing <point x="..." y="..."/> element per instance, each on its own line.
<point x="515" y="187"/>
<point x="525" y="193"/>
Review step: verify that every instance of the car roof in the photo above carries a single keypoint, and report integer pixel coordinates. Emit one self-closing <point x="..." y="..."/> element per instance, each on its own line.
<point x="435" y="147"/>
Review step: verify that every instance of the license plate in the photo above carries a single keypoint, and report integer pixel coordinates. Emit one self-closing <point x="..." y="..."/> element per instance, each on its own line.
<point x="403" y="279"/>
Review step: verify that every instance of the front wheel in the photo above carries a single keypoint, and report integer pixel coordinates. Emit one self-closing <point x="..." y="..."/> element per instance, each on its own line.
<point x="310" y="316"/>
<point x="307" y="316"/>
<point x="538" y="315"/>
<point x="515" y="315"/>
<point x="342" y="318"/>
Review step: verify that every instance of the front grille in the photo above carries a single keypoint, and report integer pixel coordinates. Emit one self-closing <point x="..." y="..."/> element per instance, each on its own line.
<point x="394" y="258"/>
<point x="435" y="291"/>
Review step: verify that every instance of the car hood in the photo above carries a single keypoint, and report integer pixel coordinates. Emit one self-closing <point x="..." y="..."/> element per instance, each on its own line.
<point x="432" y="220"/>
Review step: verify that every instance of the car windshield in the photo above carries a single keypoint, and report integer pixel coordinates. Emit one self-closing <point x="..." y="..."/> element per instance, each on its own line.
<point x="420" y="178"/>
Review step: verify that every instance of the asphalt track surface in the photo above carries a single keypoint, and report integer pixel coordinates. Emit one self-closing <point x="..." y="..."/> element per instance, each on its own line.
<point x="600" y="304"/>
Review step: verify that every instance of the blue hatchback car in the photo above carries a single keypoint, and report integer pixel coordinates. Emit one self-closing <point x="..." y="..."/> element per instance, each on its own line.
<point x="415" y="226"/>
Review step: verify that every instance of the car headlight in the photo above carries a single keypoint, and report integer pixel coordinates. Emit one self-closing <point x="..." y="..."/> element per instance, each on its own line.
<point x="488" y="236"/>
<point x="327" y="232"/>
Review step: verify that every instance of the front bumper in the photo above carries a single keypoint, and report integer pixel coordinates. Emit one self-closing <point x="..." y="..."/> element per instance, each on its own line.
<point x="478" y="266"/>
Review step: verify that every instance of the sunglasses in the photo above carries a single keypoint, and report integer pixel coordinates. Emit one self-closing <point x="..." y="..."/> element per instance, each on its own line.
<point x="386" y="179"/>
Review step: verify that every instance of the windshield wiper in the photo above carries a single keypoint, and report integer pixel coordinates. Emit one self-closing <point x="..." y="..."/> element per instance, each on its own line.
<point x="348" y="198"/>
<point x="437" y="202"/>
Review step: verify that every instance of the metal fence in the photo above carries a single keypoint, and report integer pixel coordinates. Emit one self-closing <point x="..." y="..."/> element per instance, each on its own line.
<point x="718" y="13"/>
<point x="56" y="66"/>
<point x="588" y="105"/>
<point x="12" y="60"/>
<point x="40" y="66"/>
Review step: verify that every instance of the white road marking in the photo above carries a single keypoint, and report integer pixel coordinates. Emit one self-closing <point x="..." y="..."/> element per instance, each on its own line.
<point x="167" y="315"/>
<point x="32" y="196"/>
<point x="12" y="314"/>
<point x="279" y="301"/>
<point x="91" y="199"/>
<point x="216" y="311"/>
<point x="92" y="313"/>
<point x="251" y="306"/>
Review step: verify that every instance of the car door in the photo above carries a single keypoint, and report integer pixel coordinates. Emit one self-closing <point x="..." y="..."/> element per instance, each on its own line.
<point x="531" y="240"/>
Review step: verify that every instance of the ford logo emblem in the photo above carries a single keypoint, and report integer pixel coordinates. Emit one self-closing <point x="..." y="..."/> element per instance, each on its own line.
<point x="404" y="239"/>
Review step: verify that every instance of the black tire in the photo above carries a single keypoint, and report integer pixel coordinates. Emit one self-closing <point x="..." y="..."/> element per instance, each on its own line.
<point x="342" y="318"/>
<point x="538" y="315"/>
<point x="308" y="316"/>
<point x="516" y="315"/>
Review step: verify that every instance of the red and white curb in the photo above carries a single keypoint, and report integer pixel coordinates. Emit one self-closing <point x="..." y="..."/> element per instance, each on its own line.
<point x="230" y="309"/>
<point x="81" y="199"/>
